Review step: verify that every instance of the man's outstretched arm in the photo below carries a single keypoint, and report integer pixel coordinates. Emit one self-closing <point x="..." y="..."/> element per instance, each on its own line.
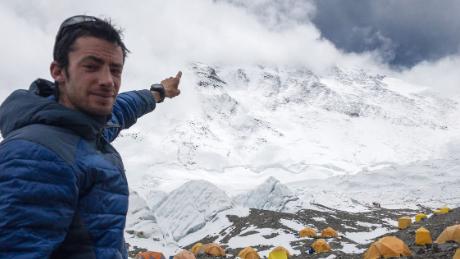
<point x="130" y="106"/>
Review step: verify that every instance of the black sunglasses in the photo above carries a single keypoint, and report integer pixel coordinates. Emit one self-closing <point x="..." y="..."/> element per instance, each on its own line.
<point x="77" y="19"/>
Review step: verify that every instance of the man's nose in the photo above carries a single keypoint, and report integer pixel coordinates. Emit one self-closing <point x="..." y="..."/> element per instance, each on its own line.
<point x="106" y="78"/>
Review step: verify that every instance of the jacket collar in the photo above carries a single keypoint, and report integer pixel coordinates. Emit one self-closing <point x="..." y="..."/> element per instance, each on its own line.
<point x="39" y="105"/>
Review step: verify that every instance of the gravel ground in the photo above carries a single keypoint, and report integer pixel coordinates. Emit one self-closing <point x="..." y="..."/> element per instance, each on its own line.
<point x="342" y="222"/>
<point x="345" y="222"/>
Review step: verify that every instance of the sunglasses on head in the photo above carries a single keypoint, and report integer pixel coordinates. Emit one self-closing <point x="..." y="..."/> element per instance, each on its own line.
<point x="75" y="20"/>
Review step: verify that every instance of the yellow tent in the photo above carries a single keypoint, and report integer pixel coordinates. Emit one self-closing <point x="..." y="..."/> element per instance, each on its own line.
<point x="320" y="246"/>
<point x="422" y="237"/>
<point x="329" y="232"/>
<point x="184" y="254"/>
<point x="451" y="233"/>
<point x="404" y="222"/>
<point x="214" y="249"/>
<point x="279" y="252"/>
<point x="249" y="253"/>
<point x="444" y="210"/>
<point x="197" y="248"/>
<point x="389" y="246"/>
<point x="307" y="232"/>
<point x="419" y="217"/>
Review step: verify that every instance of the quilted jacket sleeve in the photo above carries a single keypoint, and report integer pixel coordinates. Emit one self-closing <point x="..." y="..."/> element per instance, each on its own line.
<point x="38" y="195"/>
<point x="127" y="108"/>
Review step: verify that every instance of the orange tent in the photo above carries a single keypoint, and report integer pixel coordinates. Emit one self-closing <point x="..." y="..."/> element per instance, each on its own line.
<point x="150" y="255"/>
<point x="320" y="246"/>
<point x="457" y="254"/>
<point x="184" y="254"/>
<point x="307" y="232"/>
<point x="451" y="233"/>
<point x="279" y="252"/>
<point x="389" y="246"/>
<point x="214" y="249"/>
<point x="197" y="248"/>
<point x="248" y="253"/>
<point x="329" y="232"/>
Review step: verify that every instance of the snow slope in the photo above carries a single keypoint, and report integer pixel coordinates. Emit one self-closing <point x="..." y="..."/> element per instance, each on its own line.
<point x="284" y="139"/>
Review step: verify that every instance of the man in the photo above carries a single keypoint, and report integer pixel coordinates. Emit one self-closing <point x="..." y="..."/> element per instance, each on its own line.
<point x="63" y="189"/>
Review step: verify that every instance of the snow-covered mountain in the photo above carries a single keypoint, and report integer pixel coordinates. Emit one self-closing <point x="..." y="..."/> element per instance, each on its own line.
<point x="285" y="139"/>
<point x="255" y="122"/>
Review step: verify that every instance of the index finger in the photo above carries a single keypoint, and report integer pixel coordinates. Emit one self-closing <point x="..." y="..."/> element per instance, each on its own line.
<point x="179" y="75"/>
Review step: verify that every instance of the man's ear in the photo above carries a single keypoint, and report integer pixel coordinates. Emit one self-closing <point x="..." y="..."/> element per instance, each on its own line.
<point x="57" y="72"/>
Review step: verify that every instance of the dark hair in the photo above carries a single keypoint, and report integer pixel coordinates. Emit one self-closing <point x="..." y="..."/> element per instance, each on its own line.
<point x="79" y="26"/>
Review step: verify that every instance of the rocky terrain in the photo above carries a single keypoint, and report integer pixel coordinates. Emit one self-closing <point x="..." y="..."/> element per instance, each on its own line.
<point x="345" y="223"/>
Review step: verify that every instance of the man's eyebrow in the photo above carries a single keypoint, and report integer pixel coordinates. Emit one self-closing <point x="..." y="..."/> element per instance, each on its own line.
<point x="100" y="61"/>
<point x="92" y="58"/>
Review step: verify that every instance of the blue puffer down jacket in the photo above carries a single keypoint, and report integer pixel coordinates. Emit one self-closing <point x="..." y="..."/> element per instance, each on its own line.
<point x="63" y="189"/>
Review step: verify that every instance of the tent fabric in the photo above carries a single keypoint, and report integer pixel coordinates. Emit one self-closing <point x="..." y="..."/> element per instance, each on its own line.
<point x="419" y="217"/>
<point x="248" y="253"/>
<point x="184" y="254"/>
<point x="214" y="249"/>
<point x="329" y="232"/>
<point x="404" y="222"/>
<point x="197" y="248"/>
<point x="150" y="255"/>
<point x="457" y="254"/>
<point x="321" y="246"/>
<point x="389" y="246"/>
<point x="451" y="233"/>
<point x="422" y="237"/>
<point x="279" y="252"/>
<point x="444" y="210"/>
<point x="307" y="232"/>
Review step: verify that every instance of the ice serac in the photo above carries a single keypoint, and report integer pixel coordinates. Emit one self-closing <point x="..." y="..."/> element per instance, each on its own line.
<point x="141" y="222"/>
<point x="270" y="195"/>
<point x="188" y="208"/>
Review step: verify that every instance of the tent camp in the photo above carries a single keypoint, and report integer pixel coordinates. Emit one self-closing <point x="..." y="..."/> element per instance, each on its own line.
<point x="197" y="248"/>
<point x="184" y="254"/>
<point x="279" y="252"/>
<point x="248" y="253"/>
<point x="328" y="232"/>
<point x="214" y="249"/>
<point x="150" y="255"/>
<point x="307" y="232"/>
<point x="451" y="233"/>
<point x="321" y="246"/>
<point x="388" y="246"/>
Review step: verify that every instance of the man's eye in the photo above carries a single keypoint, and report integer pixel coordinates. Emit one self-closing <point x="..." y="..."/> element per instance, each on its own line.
<point x="90" y="67"/>
<point x="116" y="71"/>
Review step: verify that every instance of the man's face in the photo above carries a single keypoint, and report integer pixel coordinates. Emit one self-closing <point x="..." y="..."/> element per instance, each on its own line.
<point x="94" y="76"/>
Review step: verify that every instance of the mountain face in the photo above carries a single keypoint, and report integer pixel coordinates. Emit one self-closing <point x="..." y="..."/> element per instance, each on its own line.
<point x="284" y="139"/>
<point x="291" y="119"/>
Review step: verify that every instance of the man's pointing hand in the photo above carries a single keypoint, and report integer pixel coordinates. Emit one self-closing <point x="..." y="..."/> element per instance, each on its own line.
<point x="171" y="85"/>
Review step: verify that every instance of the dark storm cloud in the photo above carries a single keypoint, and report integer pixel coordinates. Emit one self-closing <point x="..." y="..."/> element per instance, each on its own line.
<point x="406" y="32"/>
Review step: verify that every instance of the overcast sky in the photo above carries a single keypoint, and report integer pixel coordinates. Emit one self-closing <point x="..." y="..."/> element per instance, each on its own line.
<point x="406" y="32"/>
<point x="417" y="40"/>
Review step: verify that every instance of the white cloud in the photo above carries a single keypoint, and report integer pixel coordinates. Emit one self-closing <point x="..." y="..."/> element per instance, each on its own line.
<point x="442" y="75"/>
<point x="165" y="35"/>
